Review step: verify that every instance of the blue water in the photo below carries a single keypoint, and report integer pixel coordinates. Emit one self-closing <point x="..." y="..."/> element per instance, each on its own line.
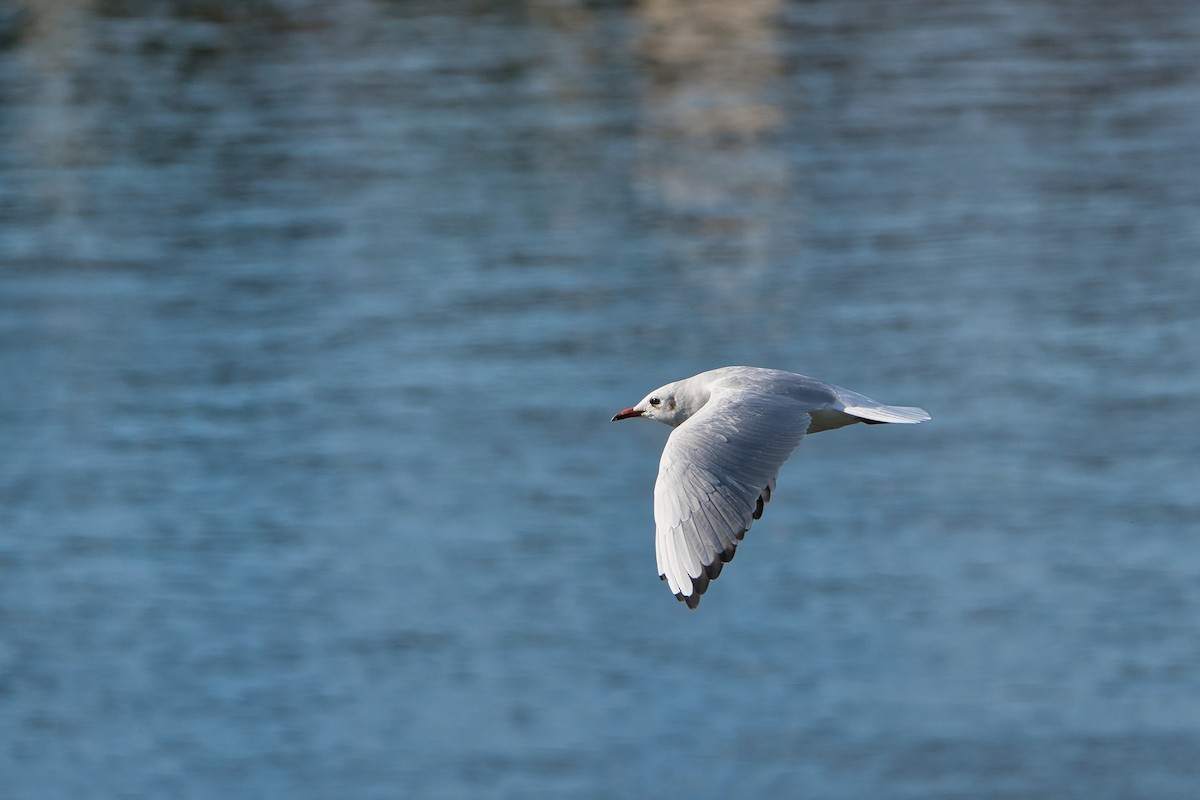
<point x="312" y="318"/>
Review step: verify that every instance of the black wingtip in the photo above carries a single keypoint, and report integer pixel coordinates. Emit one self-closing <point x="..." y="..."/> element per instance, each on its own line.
<point x="710" y="573"/>
<point x="692" y="600"/>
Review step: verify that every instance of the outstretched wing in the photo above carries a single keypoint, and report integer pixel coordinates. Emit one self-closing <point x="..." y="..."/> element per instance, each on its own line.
<point x="717" y="470"/>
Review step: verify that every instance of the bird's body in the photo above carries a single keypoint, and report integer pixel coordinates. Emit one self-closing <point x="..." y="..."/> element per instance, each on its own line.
<point x="733" y="429"/>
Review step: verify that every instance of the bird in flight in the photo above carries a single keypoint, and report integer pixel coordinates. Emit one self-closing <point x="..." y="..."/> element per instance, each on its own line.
<point x="733" y="429"/>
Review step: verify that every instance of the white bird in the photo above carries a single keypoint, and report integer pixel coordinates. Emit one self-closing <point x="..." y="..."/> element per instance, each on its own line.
<point x="734" y="428"/>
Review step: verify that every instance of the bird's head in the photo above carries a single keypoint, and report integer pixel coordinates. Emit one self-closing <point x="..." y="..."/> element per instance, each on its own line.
<point x="660" y="405"/>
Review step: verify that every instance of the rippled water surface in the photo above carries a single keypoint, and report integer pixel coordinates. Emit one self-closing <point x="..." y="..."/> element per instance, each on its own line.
<point x="312" y="318"/>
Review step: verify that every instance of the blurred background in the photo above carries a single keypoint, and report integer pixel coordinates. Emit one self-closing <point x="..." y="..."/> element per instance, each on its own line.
<point x="313" y="316"/>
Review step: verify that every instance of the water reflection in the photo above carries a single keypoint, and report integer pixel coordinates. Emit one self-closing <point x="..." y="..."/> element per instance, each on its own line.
<point x="710" y="166"/>
<point x="311" y="321"/>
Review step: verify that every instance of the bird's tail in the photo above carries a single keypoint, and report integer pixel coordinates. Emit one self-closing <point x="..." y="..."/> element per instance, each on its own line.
<point x="882" y="413"/>
<point x="868" y="410"/>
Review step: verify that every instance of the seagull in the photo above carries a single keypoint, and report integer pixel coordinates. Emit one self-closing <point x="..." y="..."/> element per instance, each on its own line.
<point x="733" y="429"/>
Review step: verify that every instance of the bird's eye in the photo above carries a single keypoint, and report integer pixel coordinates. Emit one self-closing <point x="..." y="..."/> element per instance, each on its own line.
<point x="654" y="401"/>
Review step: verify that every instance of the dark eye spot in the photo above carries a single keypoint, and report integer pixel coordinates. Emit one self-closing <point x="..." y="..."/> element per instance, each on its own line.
<point x="654" y="401"/>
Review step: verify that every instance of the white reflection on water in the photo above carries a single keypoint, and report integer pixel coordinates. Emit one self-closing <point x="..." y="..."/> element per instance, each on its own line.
<point x="311" y="322"/>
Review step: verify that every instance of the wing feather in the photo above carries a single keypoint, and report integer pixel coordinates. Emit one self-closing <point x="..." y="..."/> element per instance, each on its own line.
<point x="715" y="468"/>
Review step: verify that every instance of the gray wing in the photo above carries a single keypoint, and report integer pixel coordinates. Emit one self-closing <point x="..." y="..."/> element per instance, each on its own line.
<point x="717" y="470"/>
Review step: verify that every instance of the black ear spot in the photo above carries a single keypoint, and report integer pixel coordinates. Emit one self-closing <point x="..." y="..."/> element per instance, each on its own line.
<point x="671" y="403"/>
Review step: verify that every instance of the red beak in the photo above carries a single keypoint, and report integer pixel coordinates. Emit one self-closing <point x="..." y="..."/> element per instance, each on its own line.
<point x="626" y="414"/>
